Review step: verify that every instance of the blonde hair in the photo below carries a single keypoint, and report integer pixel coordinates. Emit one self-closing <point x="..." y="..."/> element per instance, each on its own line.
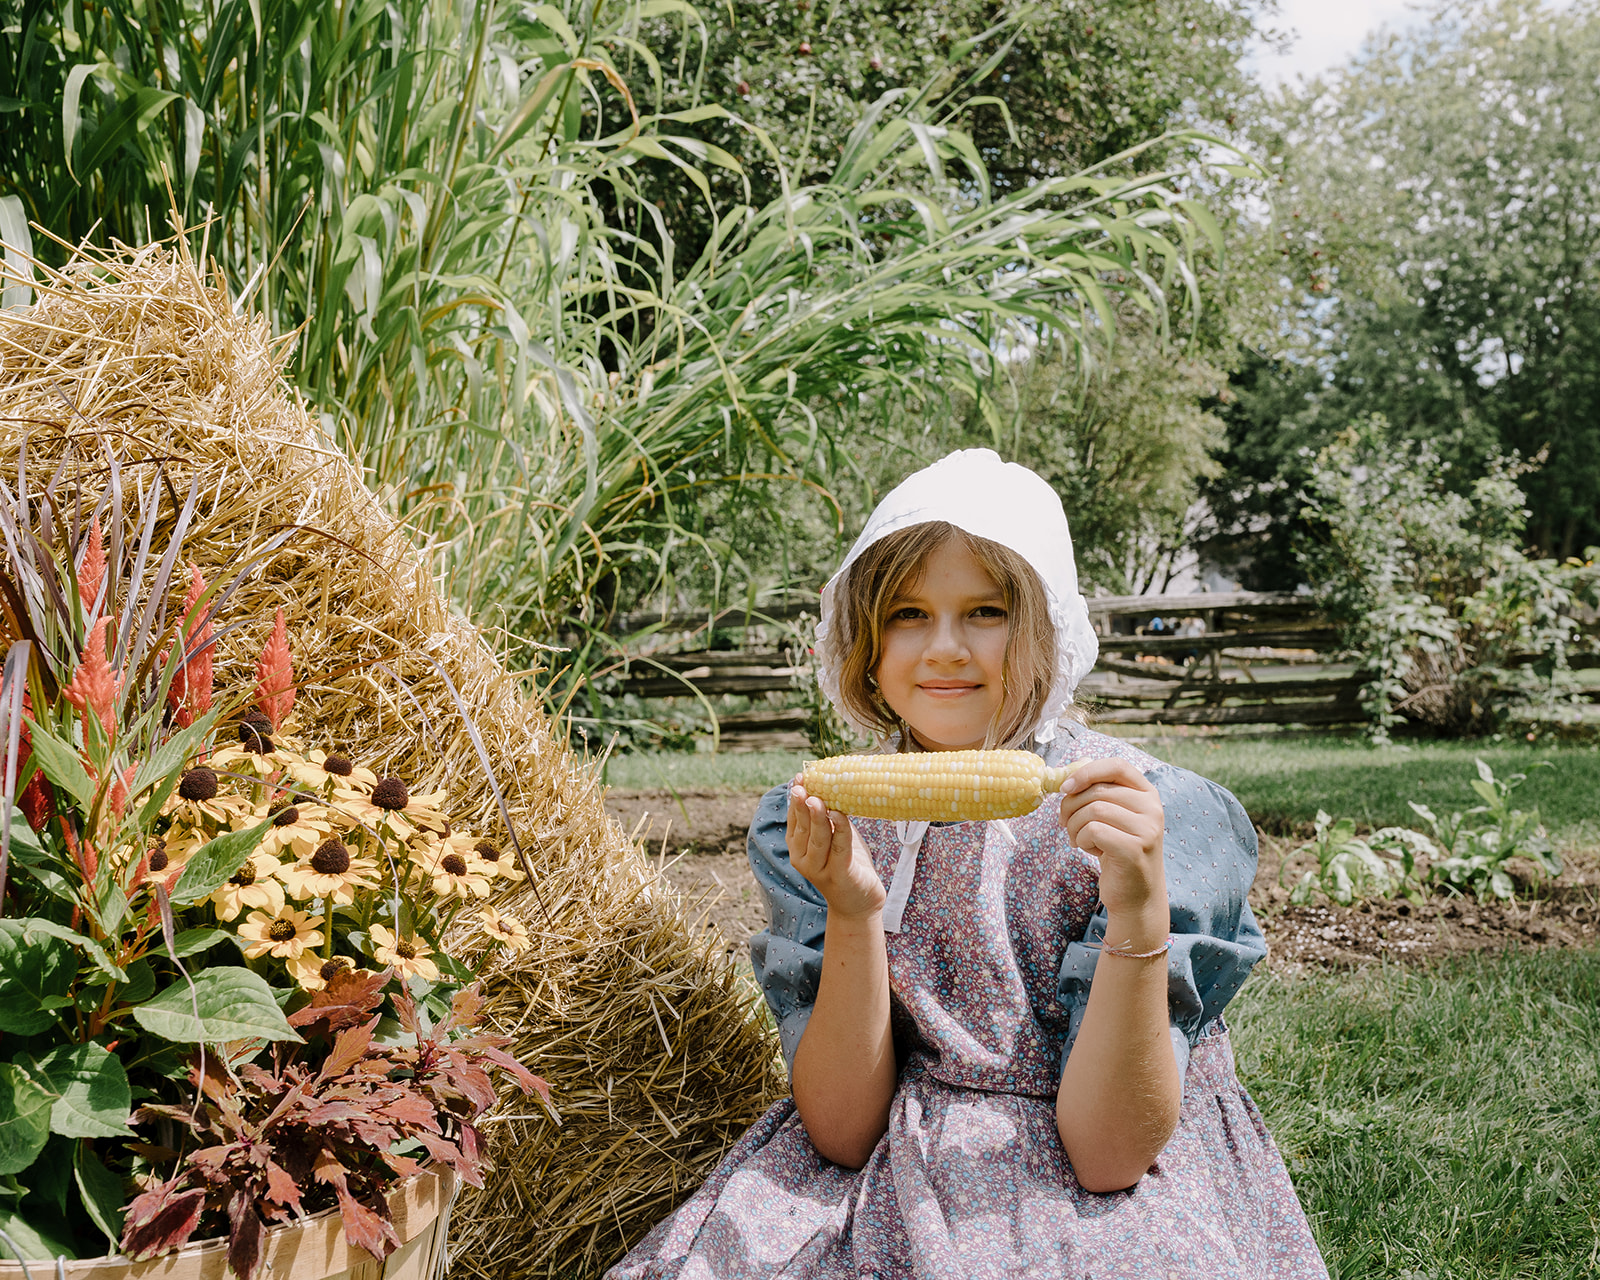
<point x="893" y="565"/>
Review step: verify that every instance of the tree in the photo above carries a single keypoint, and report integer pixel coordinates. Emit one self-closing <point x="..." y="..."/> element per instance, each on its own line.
<point x="1440" y="224"/>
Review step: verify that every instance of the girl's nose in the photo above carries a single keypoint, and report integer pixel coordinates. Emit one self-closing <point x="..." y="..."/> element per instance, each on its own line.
<point x="948" y="642"/>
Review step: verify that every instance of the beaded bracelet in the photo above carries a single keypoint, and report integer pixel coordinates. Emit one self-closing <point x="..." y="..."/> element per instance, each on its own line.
<point x="1138" y="955"/>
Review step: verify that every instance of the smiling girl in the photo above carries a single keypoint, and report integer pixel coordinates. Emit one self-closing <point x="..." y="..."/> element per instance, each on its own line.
<point x="1005" y="1044"/>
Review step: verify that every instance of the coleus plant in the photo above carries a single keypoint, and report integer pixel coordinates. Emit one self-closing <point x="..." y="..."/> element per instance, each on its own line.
<point x="188" y="928"/>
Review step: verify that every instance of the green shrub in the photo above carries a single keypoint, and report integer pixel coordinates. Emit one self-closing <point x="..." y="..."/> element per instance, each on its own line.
<point x="1480" y="841"/>
<point x="1432" y="589"/>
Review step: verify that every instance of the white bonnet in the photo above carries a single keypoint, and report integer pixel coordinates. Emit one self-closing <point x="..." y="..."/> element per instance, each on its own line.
<point x="1004" y="502"/>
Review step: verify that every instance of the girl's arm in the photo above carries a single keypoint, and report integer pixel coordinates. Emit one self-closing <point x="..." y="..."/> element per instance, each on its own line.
<point x="1117" y="1105"/>
<point x="844" y="1069"/>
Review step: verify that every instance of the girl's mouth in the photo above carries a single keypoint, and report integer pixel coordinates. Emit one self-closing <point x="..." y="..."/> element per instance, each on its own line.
<point x="948" y="690"/>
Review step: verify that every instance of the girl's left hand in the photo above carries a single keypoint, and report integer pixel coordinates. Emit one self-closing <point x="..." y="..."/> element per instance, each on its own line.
<point x="1110" y="809"/>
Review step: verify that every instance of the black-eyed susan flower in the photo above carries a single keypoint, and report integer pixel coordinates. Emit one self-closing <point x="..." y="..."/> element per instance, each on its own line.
<point x="454" y="874"/>
<point x="313" y="972"/>
<point x="200" y="796"/>
<point x="392" y="805"/>
<point x="408" y="957"/>
<point x="286" y="933"/>
<point x="332" y="871"/>
<point x="298" y="826"/>
<point x="502" y="863"/>
<point x="323" y="770"/>
<point x="504" y="928"/>
<point x="255" y="884"/>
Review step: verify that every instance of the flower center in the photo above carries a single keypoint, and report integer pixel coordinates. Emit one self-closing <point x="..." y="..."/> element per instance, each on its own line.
<point x="244" y="875"/>
<point x="332" y="857"/>
<point x="338" y="765"/>
<point x="405" y="950"/>
<point x="455" y="864"/>
<point x="486" y="851"/>
<point x="158" y="859"/>
<point x="286" y="817"/>
<point x="391" y="793"/>
<point x="255" y="733"/>
<point x="331" y="968"/>
<point x="199" y="783"/>
<point x="281" y="930"/>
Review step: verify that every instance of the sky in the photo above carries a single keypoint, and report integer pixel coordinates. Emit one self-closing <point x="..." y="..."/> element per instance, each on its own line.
<point x="1328" y="32"/>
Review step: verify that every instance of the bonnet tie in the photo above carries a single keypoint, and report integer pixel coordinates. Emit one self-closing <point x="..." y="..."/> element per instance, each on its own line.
<point x="905" y="869"/>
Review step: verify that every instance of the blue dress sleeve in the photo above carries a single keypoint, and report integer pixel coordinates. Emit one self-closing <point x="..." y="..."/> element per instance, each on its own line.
<point x="1210" y="848"/>
<point x="787" y="954"/>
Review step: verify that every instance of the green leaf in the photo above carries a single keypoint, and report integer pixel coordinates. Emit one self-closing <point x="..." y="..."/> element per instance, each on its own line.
<point x="102" y="1192"/>
<point x="214" y="863"/>
<point x="24" y="1118"/>
<point x="92" y="1096"/>
<point x="36" y="973"/>
<point x="141" y="984"/>
<point x="191" y="941"/>
<point x="33" y="926"/>
<point x="232" y="1004"/>
<point x="61" y="765"/>
<point x="34" y="1244"/>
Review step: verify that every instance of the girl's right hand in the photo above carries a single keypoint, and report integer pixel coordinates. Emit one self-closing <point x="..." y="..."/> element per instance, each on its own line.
<point x="825" y="849"/>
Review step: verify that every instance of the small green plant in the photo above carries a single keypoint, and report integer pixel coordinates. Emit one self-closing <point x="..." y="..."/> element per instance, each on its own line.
<point x="1478" y="843"/>
<point x="1350" y="868"/>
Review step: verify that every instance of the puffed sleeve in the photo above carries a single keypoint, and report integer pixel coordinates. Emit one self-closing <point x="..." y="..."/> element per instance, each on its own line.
<point x="787" y="954"/>
<point x="1210" y="848"/>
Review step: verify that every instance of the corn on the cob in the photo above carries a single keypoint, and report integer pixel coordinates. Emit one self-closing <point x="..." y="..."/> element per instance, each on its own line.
<point x="939" y="786"/>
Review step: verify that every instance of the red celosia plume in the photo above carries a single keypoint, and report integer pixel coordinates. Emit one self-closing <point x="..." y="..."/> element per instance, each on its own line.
<point x="275" y="676"/>
<point x="92" y="569"/>
<point x="189" y="695"/>
<point x="96" y="684"/>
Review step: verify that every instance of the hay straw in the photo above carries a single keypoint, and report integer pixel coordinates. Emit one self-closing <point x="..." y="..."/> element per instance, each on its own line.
<point x="656" y="1055"/>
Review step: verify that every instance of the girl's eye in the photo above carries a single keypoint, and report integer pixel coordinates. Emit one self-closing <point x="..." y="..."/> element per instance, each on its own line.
<point x="907" y="614"/>
<point x="989" y="611"/>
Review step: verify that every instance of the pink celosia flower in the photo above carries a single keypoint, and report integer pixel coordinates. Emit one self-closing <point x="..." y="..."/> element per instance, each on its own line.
<point x="275" y="676"/>
<point x="189" y="695"/>
<point x="96" y="684"/>
<point x="92" y="569"/>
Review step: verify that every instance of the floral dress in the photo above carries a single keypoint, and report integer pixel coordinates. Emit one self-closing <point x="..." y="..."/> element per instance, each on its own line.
<point x="990" y="974"/>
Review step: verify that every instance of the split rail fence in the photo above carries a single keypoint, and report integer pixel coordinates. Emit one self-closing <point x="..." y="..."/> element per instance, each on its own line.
<point x="1211" y="659"/>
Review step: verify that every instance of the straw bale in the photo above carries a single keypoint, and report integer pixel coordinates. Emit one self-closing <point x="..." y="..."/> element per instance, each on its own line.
<point x="656" y="1052"/>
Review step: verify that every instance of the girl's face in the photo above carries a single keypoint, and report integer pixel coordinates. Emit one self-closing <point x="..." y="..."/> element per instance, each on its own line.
<point x="944" y="646"/>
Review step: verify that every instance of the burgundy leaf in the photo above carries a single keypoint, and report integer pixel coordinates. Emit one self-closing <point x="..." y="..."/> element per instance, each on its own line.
<point x="372" y="1231"/>
<point x="348" y="1049"/>
<point x="411" y="1108"/>
<point x="530" y="1083"/>
<point x="160" y="1220"/>
<point x="244" y="1235"/>
<point x="441" y="1149"/>
<point x="281" y="1188"/>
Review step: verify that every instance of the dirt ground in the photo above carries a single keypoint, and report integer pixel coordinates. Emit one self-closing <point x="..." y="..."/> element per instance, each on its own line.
<point x="699" y="836"/>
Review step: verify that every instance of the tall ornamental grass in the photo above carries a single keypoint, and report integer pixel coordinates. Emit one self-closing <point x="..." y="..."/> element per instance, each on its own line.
<point x="488" y="313"/>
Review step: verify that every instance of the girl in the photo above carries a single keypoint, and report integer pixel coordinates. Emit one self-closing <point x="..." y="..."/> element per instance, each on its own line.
<point x="1005" y="1050"/>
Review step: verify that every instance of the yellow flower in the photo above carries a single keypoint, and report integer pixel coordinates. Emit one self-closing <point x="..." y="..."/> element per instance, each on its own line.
<point x="255" y="884"/>
<point x="455" y="874"/>
<point x="501" y="863"/>
<point x="392" y="804"/>
<point x="330" y="872"/>
<point x="505" y="929"/>
<point x="313" y="973"/>
<point x="286" y="934"/>
<point x="319" y="769"/>
<point x="407" y="956"/>
<point x="240" y="759"/>
<point x="297" y="829"/>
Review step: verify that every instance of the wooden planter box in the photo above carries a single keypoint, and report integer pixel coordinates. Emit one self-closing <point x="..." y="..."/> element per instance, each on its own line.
<point x="311" y="1250"/>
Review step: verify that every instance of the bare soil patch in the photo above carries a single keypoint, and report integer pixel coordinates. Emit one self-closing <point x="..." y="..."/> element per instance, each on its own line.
<point x="700" y="838"/>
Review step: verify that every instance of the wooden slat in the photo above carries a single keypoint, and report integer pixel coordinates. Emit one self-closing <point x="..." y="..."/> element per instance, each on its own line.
<point x="1262" y="713"/>
<point x="1220" y="690"/>
<point x="711" y="684"/>
<point x="1215" y="641"/>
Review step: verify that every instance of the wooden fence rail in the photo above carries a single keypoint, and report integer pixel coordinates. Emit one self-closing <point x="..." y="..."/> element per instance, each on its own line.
<point x="1213" y="659"/>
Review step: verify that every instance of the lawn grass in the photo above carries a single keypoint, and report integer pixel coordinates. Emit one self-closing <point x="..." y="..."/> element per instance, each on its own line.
<point x="1280" y="778"/>
<point x="1439" y="1123"/>
<point x="1287" y="779"/>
